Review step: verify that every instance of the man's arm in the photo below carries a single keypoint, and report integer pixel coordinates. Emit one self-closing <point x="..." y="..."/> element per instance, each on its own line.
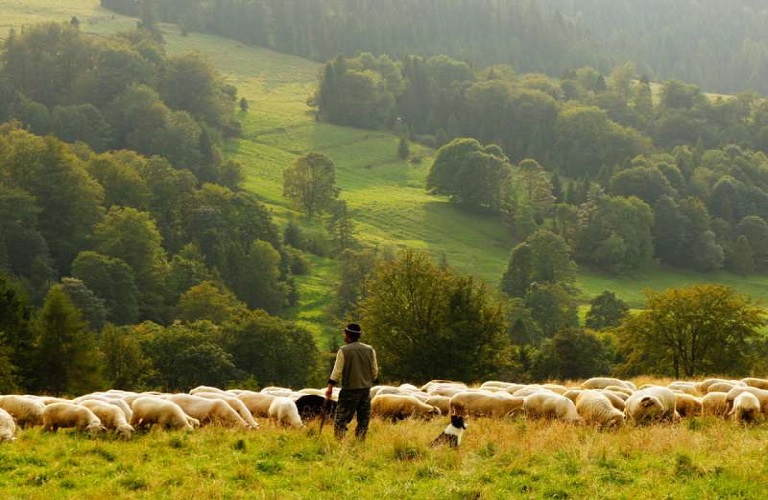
<point x="375" y="370"/>
<point x="338" y="368"/>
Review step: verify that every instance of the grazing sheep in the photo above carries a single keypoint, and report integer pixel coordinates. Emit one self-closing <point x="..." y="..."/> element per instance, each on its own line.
<point x="7" y="427"/>
<point x="26" y="410"/>
<point x="722" y="386"/>
<point x="762" y="396"/>
<point x="399" y="407"/>
<point x="714" y="404"/>
<point x="65" y="415"/>
<point x="285" y="412"/>
<point x="617" y="399"/>
<point x="447" y="389"/>
<point x="528" y="390"/>
<point x="278" y="391"/>
<point x="442" y="403"/>
<point x="485" y="404"/>
<point x="684" y="386"/>
<point x="746" y="408"/>
<point x="208" y="411"/>
<point x="760" y="383"/>
<point x="150" y="410"/>
<point x="112" y="417"/>
<point x="207" y="389"/>
<point x="603" y="382"/>
<point x="687" y="405"/>
<point x="596" y="409"/>
<point x="257" y="402"/>
<point x="236" y="405"/>
<point x="654" y="403"/>
<point x="548" y="404"/>
<point x="703" y="385"/>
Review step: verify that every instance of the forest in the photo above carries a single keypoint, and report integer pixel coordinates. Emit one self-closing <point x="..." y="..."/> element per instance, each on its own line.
<point x="132" y="255"/>
<point x="718" y="46"/>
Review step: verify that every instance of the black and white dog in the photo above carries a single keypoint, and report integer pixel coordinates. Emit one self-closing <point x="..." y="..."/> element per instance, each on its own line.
<point x="452" y="433"/>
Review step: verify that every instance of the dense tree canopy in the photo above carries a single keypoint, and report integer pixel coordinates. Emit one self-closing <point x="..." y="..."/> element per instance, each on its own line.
<point x="686" y="332"/>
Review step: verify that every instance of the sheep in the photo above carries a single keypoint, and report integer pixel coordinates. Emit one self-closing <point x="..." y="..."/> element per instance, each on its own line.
<point x="722" y="386"/>
<point x="7" y="427"/>
<point x="442" y="403"/>
<point x="208" y="411"/>
<point x="746" y="408"/>
<point x="442" y="383"/>
<point x="687" y="405"/>
<point x="26" y="410"/>
<point x="596" y="409"/>
<point x="603" y="382"/>
<point x="491" y="384"/>
<point x="277" y="391"/>
<point x="617" y="399"/>
<point x="399" y="407"/>
<point x="112" y="417"/>
<point x="760" y="383"/>
<point x="236" y="405"/>
<point x="684" y="386"/>
<point x="653" y="403"/>
<point x="762" y="396"/>
<point x="256" y="402"/>
<point x="485" y="404"/>
<point x="64" y="415"/>
<point x="447" y="389"/>
<point x="285" y="412"/>
<point x="703" y="385"/>
<point x="530" y="389"/>
<point x="149" y="410"/>
<point x="714" y="404"/>
<point x="548" y="404"/>
<point x="113" y="400"/>
<point x="206" y="389"/>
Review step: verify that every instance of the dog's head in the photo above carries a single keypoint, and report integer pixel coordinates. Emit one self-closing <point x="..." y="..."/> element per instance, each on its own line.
<point x="458" y="421"/>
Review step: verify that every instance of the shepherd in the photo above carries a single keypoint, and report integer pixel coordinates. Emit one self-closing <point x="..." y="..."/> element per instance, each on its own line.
<point x="356" y="370"/>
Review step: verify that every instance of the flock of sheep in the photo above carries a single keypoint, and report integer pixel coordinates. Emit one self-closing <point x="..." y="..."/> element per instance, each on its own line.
<point x="599" y="401"/>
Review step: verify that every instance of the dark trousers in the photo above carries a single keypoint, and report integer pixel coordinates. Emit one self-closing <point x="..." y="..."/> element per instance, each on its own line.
<point x="352" y="402"/>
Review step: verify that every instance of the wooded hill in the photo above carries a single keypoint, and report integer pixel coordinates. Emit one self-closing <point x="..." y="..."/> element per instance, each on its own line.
<point x="206" y="251"/>
<point x="719" y="46"/>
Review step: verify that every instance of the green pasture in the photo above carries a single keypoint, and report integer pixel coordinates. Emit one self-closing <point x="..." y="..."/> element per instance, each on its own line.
<point x="385" y="195"/>
<point x="703" y="458"/>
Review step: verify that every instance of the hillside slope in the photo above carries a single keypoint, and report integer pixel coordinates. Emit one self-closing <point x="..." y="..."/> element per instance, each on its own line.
<point x="386" y="196"/>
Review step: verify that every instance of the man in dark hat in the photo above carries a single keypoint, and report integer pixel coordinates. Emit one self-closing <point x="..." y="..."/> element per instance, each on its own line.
<point x="356" y="370"/>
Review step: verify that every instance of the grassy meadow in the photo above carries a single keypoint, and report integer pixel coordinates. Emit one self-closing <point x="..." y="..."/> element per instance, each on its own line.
<point x="703" y="458"/>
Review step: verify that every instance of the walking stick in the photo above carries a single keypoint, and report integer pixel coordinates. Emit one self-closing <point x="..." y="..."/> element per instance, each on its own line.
<point x="323" y="414"/>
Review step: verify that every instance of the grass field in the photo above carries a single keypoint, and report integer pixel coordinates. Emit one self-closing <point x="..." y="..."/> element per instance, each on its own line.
<point x="701" y="458"/>
<point x="386" y="197"/>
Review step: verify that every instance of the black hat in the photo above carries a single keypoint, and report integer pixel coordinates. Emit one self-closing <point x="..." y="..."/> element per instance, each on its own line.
<point x="353" y="329"/>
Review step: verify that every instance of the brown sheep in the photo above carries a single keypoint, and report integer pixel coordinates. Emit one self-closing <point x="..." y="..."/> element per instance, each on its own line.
<point x="687" y="405"/>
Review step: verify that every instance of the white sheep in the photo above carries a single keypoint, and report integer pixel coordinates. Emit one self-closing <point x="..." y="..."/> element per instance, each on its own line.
<point x="654" y="403"/>
<point x="25" y="410"/>
<point x="401" y="406"/>
<point x="714" y="404"/>
<point x="746" y="408"/>
<point x="596" y="409"/>
<point x="485" y="404"/>
<point x="236" y="405"/>
<point x="548" y="404"/>
<point x="760" y="383"/>
<point x="603" y="382"/>
<point x="7" y="427"/>
<point x="67" y="415"/>
<point x="208" y="411"/>
<point x="257" y="402"/>
<point x="149" y="410"/>
<point x="761" y="394"/>
<point x="111" y="416"/>
<point x="284" y="411"/>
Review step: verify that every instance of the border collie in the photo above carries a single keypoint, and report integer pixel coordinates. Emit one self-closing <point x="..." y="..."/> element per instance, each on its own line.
<point x="452" y="433"/>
